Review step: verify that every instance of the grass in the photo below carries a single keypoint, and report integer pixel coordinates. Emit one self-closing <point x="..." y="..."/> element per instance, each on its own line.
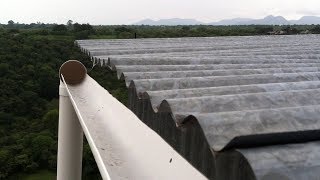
<point x="39" y="175"/>
<point x="102" y="37"/>
<point x="47" y="175"/>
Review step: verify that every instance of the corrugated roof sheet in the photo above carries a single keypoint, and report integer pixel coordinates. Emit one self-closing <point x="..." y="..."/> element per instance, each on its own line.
<point x="234" y="107"/>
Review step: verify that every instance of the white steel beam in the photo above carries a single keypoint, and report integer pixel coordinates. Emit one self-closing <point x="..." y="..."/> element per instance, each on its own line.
<point x="70" y="140"/>
<point x="122" y="145"/>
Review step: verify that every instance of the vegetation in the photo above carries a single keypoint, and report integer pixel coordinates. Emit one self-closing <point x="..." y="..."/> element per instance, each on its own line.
<point x="145" y="31"/>
<point x="29" y="62"/>
<point x="30" y="57"/>
<point x="39" y="175"/>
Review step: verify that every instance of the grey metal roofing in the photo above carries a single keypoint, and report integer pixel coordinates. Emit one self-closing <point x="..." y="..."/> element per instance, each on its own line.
<point x="234" y="107"/>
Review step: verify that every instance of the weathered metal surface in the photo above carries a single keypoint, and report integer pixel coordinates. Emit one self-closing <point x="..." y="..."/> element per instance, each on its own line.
<point x="160" y="68"/>
<point x="277" y="162"/>
<point x="159" y="96"/>
<point x="225" y="102"/>
<point x="130" y="76"/>
<point x="124" y="147"/>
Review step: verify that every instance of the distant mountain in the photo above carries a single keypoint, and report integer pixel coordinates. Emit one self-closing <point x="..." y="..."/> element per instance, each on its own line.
<point x="169" y="22"/>
<point x="235" y="21"/>
<point x="269" y="20"/>
<point x="307" y="20"/>
<point x="145" y="22"/>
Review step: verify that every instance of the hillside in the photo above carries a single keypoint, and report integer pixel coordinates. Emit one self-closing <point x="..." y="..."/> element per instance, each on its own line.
<point x="268" y="20"/>
<point x="168" y="22"/>
<point x="29" y="65"/>
<point x="30" y="57"/>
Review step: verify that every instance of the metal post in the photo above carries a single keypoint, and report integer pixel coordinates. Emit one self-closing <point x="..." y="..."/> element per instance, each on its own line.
<point x="70" y="139"/>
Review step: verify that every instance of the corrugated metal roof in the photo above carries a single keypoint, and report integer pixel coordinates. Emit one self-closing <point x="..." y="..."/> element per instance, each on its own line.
<point x="227" y="104"/>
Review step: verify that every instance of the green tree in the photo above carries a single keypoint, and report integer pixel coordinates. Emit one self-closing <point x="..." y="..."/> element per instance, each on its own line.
<point x="4" y="69"/>
<point x="82" y="31"/>
<point x="59" y="29"/>
<point x="124" y="32"/>
<point x="50" y="120"/>
<point x="41" y="148"/>
<point x="316" y="29"/>
<point x="263" y="30"/>
<point x="10" y="23"/>
<point x="70" y="24"/>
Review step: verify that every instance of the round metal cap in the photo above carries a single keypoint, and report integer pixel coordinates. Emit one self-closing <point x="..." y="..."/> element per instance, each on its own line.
<point x="73" y="72"/>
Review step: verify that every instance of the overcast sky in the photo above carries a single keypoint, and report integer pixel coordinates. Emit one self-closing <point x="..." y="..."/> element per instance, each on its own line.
<point x="130" y="11"/>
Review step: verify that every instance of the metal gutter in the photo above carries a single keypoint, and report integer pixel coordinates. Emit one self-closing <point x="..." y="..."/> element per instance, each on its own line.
<point x="122" y="145"/>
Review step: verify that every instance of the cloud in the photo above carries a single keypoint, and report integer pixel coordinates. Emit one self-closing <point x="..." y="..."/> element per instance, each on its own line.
<point x="308" y="12"/>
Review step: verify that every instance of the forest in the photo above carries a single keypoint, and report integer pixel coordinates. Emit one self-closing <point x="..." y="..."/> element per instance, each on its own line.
<point x="30" y="57"/>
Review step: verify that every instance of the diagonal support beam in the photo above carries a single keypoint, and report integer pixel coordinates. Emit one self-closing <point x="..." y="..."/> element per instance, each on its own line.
<point x="122" y="145"/>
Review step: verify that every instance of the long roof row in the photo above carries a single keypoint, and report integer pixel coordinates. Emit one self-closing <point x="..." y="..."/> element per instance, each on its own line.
<point x="234" y="107"/>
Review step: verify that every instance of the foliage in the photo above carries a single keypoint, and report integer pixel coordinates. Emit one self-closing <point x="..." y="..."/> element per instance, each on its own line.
<point x="290" y="30"/>
<point x="29" y="65"/>
<point x="145" y="31"/>
<point x="30" y="57"/>
<point x="38" y="175"/>
<point x="316" y="29"/>
<point x="59" y="29"/>
<point x="82" y="31"/>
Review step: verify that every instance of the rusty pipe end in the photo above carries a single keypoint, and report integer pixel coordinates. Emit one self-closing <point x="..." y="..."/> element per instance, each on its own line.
<point x="73" y="71"/>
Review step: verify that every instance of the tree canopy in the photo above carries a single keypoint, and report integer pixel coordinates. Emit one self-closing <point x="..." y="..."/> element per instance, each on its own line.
<point x="30" y="57"/>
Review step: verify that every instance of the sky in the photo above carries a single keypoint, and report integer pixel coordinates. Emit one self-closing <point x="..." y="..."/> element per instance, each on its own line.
<point x="106" y="12"/>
